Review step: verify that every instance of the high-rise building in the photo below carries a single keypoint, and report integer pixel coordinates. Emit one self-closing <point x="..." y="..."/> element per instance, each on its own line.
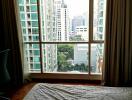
<point x="100" y="20"/>
<point x="77" y="21"/>
<point x="61" y="20"/>
<point x="81" y="54"/>
<point x="33" y="33"/>
<point x="82" y="31"/>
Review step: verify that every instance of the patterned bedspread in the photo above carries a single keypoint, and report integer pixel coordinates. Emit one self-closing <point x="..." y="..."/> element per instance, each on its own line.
<point x="45" y="91"/>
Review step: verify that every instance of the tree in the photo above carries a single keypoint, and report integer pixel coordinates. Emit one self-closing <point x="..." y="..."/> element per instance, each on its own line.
<point x="68" y="50"/>
<point x="64" y="53"/>
<point x="76" y="38"/>
<point x="61" y="60"/>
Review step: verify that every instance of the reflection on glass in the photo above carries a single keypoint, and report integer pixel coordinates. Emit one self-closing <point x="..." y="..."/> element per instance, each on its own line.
<point x="99" y="19"/>
<point x="96" y="58"/>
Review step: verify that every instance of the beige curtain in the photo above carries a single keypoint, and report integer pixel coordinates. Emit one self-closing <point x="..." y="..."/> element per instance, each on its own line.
<point x="118" y="44"/>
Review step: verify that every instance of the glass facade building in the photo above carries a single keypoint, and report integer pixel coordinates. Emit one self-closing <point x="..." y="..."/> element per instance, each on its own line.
<point x="38" y="31"/>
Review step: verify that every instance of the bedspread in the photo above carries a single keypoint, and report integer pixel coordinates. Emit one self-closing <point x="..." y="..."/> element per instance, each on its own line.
<point x="45" y="91"/>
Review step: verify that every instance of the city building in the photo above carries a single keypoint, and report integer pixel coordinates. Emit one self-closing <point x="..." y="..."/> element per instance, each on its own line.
<point x="61" y="20"/>
<point x="30" y="26"/>
<point x="81" y="54"/>
<point x="83" y="32"/>
<point x="100" y="32"/>
<point x="77" y="21"/>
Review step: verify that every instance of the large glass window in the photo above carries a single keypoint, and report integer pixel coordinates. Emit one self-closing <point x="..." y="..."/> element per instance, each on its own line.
<point x="64" y="36"/>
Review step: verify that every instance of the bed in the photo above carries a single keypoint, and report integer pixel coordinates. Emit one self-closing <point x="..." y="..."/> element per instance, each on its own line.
<point x="46" y="91"/>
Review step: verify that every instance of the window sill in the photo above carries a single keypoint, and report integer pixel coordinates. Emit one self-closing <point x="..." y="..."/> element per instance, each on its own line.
<point x="80" y="76"/>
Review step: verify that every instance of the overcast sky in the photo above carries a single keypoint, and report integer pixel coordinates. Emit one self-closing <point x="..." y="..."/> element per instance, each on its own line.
<point x="76" y="7"/>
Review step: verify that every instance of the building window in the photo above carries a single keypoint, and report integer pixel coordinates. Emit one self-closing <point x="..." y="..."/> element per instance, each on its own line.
<point x="23" y="24"/>
<point x="64" y="40"/>
<point x="22" y="16"/>
<point x="28" y="8"/>
<point x="33" y="1"/>
<point x="34" y="16"/>
<point x="21" y="8"/>
<point x="34" y="23"/>
<point x="24" y="30"/>
<point x="34" y="8"/>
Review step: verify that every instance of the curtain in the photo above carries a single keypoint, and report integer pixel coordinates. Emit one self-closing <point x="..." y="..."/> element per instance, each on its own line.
<point x="118" y="43"/>
<point x="11" y="38"/>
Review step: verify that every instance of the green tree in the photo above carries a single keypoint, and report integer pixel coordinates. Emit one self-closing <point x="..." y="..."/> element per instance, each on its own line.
<point x="76" y="38"/>
<point x="68" y="50"/>
<point x="64" y="53"/>
<point x="61" y="60"/>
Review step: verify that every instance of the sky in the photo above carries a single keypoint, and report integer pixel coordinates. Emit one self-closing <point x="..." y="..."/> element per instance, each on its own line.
<point x="77" y="7"/>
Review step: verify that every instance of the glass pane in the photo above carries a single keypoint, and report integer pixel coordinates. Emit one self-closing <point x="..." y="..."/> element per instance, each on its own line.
<point x="35" y="46"/>
<point x="96" y="58"/>
<point x="21" y="8"/>
<point x="34" y="23"/>
<point x="22" y="16"/>
<point x="23" y="24"/>
<point x="32" y="57"/>
<point x="65" y="20"/>
<point x="35" y="31"/>
<point x="34" y="16"/>
<point x="35" y="38"/>
<point x="99" y="19"/>
<point x="34" y="8"/>
<point x="24" y="30"/>
<point x="33" y="1"/>
<point x="69" y="58"/>
<point x="21" y="1"/>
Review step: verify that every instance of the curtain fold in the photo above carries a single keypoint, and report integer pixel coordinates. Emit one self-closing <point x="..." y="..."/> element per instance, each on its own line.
<point x="118" y="43"/>
<point x="11" y="38"/>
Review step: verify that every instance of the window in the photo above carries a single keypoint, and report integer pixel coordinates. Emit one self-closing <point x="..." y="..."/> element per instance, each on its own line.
<point x="21" y="8"/>
<point x="22" y="16"/>
<point x="35" y="38"/>
<point x="35" y="46"/>
<point x="23" y="24"/>
<point x="28" y="8"/>
<point x="34" y="16"/>
<point x="33" y="1"/>
<point x="35" y="30"/>
<point x="21" y="2"/>
<point x="34" y="8"/>
<point x="24" y="30"/>
<point x="34" y="23"/>
<point x="65" y="36"/>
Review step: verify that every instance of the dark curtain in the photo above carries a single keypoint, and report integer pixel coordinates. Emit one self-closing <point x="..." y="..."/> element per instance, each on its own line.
<point x="9" y="39"/>
<point x="118" y="43"/>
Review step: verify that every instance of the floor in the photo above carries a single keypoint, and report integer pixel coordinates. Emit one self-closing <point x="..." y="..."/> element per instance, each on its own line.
<point x="20" y="93"/>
